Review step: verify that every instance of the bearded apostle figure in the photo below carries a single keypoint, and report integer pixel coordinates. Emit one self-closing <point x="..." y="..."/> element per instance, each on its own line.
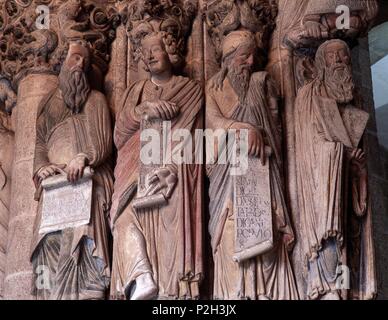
<point x="238" y="98"/>
<point x="74" y="132"/>
<point x="331" y="166"/>
<point x="157" y="251"/>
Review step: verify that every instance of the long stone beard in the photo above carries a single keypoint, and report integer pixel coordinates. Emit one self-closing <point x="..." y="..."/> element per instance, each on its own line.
<point x="75" y="88"/>
<point x="338" y="80"/>
<point x="239" y="78"/>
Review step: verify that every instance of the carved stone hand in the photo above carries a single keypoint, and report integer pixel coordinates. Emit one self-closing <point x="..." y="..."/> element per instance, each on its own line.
<point x="162" y="179"/>
<point x="50" y="170"/>
<point x="256" y="145"/>
<point x="76" y="168"/>
<point x="315" y="30"/>
<point x="358" y="162"/>
<point x="159" y="109"/>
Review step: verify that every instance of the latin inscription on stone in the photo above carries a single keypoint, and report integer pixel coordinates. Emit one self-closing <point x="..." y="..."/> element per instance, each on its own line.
<point x="65" y="204"/>
<point x="253" y="211"/>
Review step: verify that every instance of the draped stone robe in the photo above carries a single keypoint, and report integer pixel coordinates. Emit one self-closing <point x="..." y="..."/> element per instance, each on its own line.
<point x="164" y="241"/>
<point x="324" y="185"/>
<point x="78" y="258"/>
<point x="268" y="275"/>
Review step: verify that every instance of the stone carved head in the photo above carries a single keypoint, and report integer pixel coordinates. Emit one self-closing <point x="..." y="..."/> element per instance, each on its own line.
<point x="154" y="54"/>
<point x="171" y="19"/>
<point x="256" y="16"/>
<point x="238" y="57"/>
<point x="73" y="80"/>
<point x="333" y="65"/>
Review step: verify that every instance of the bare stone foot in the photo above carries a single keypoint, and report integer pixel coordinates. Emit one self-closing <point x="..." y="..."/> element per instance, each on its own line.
<point x="145" y="288"/>
<point x="332" y="295"/>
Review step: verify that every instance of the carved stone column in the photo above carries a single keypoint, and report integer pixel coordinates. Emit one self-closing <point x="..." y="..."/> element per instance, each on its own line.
<point x="7" y="100"/>
<point x="18" y="278"/>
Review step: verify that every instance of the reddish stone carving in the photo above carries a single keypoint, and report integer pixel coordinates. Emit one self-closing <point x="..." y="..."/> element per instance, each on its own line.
<point x="157" y="217"/>
<point x="73" y="132"/>
<point x="157" y="244"/>
<point x="331" y="166"/>
<point x="238" y="99"/>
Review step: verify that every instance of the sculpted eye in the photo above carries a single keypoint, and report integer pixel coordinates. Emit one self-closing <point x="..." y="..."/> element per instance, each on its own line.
<point x="156" y="49"/>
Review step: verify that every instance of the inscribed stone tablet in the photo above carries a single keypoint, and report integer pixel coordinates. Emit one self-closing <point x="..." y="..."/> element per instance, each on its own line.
<point x="253" y="211"/>
<point x="66" y="204"/>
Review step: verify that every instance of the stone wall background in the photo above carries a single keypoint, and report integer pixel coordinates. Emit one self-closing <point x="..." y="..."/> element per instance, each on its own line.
<point x="378" y="178"/>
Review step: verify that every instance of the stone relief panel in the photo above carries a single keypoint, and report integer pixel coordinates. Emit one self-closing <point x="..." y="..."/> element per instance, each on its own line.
<point x="77" y="97"/>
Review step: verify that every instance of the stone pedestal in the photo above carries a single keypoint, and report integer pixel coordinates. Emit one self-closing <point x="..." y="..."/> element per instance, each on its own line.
<point x="18" y="279"/>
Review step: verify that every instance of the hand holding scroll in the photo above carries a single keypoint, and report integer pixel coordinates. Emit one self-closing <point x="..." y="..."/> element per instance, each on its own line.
<point x="48" y="171"/>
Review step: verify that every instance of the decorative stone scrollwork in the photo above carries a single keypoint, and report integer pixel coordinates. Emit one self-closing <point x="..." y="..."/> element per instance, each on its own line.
<point x="7" y="96"/>
<point x="26" y="49"/>
<point x="79" y="20"/>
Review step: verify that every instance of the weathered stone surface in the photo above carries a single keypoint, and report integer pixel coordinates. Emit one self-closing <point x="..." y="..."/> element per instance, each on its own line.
<point x="378" y="178"/>
<point x="252" y="204"/>
<point x="65" y="204"/>
<point x="257" y="218"/>
<point x="23" y="206"/>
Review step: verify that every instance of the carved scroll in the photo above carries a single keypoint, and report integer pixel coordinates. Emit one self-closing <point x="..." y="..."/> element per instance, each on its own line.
<point x="252" y="206"/>
<point x="143" y="200"/>
<point x="66" y="204"/>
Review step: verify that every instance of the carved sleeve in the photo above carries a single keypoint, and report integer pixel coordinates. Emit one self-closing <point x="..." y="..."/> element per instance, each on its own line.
<point x="41" y="154"/>
<point x="214" y="118"/>
<point x="359" y="186"/>
<point x="99" y="129"/>
<point x="273" y="105"/>
<point x="127" y="123"/>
